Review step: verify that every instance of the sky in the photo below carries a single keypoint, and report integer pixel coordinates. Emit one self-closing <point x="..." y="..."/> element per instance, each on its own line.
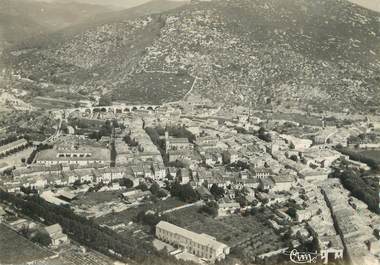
<point x="370" y="4"/>
<point x="120" y="4"/>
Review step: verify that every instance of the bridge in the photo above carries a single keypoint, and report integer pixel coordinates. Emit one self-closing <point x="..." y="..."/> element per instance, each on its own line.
<point x="114" y="109"/>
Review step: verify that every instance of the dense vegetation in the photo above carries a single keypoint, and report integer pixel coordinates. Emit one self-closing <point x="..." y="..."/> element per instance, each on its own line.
<point x="289" y="53"/>
<point x="88" y="232"/>
<point x="79" y="228"/>
<point x="361" y="187"/>
<point x="360" y="155"/>
<point x="184" y="192"/>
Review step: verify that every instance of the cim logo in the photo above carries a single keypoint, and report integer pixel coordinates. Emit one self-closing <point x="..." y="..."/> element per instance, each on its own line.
<point x="298" y="257"/>
<point x="303" y="257"/>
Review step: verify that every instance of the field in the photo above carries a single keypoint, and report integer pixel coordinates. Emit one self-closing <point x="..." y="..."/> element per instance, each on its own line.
<point x="248" y="236"/>
<point x="94" y="198"/>
<point x="130" y="214"/>
<point x="11" y="244"/>
<point x="372" y="154"/>
<point x="15" y="158"/>
<point x="296" y="117"/>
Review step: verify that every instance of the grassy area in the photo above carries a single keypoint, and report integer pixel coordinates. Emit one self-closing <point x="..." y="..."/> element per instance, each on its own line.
<point x="12" y="245"/>
<point x="131" y="213"/>
<point x="15" y="159"/>
<point x="94" y="198"/>
<point x="372" y="154"/>
<point x="296" y="117"/>
<point x="236" y="231"/>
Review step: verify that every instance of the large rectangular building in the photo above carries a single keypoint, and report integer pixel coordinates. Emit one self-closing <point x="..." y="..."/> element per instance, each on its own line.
<point x="201" y="245"/>
<point x="83" y="155"/>
<point x="8" y="148"/>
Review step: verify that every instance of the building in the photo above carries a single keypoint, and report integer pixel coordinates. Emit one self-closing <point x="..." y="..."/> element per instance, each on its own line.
<point x="230" y="156"/>
<point x="261" y="173"/>
<point x="56" y="235"/>
<point x="136" y="195"/>
<point x="201" y="245"/>
<point x="172" y="143"/>
<point x="159" y="171"/>
<point x="82" y="155"/>
<point x="228" y="208"/>
<point x="282" y="182"/>
<point x="13" y="146"/>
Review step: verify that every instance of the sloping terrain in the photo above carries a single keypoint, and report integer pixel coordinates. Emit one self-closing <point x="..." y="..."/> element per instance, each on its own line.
<point x="21" y="20"/>
<point x="321" y="54"/>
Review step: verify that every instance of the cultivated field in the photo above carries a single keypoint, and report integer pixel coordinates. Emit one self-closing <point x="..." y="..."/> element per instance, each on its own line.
<point x="12" y="245"/>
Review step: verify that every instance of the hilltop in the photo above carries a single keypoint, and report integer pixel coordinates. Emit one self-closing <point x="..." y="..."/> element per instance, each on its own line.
<point x="315" y="54"/>
<point x="22" y="20"/>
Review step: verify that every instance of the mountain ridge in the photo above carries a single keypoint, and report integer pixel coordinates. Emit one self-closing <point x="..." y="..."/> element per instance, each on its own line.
<point x="285" y="53"/>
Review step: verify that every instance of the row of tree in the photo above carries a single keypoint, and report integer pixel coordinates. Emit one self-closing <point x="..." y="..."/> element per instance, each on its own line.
<point x="79" y="228"/>
<point x="354" y="155"/>
<point x="353" y="181"/>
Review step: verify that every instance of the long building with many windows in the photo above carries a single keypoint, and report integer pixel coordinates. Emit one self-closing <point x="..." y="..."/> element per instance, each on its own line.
<point x="201" y="245"/>
<point x="8" y="148"/>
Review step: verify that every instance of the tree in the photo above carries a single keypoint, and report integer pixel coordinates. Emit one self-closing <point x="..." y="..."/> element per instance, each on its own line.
<point x="142" y="186"/>
<point x="292" y="211"/>
<point x="264" y="135"/>
<point x="188" y="194"/>
<point x="105" y="101"/>
<point x="77" y="183"/>
<point x="292" y="146"/>
<point x="210" y="208"/>
<point x="126" y="182"/>
<point x="184" y="192"/>
<point x="154" y="189"/>
<point x="217" y="192"/>
<point x="294" y="158"/>
<point x="41" y="238"/>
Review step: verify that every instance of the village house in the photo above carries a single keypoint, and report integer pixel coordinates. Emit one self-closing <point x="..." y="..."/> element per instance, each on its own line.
<point x="136" y="195"/>
<point x="56" y="235"/>
<point x="172" y="143"/>
<point x="171" y="172"/>
<point x="184" y="176"/>
<point x="282" y="182"/>
<point x="230" y="156"/>
<point x="227" y="208"/>
<point x="159" y="171"/>
<point x="266" y="184"/>
<point x="35" y="170"/>
<point x="261" y="173"/>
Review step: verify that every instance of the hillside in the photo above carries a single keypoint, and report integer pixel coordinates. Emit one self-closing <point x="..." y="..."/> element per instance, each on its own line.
<point x="21" y="20"/>
<point x="320" y="54"/>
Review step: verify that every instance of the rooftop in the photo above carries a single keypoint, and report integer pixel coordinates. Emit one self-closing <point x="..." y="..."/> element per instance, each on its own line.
<point x="203" y="239"/>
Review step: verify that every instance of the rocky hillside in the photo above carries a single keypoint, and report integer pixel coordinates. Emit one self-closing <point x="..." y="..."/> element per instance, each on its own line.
<point x="21" y="20"/>
<point x="321" y="54"/>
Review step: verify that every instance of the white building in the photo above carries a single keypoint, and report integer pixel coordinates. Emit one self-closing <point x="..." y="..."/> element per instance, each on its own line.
<point x="56" y="235"/>
<point x="201" y="245"/>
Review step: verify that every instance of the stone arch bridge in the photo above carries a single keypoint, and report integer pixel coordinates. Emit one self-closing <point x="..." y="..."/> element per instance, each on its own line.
<point x="115" y="109"/>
